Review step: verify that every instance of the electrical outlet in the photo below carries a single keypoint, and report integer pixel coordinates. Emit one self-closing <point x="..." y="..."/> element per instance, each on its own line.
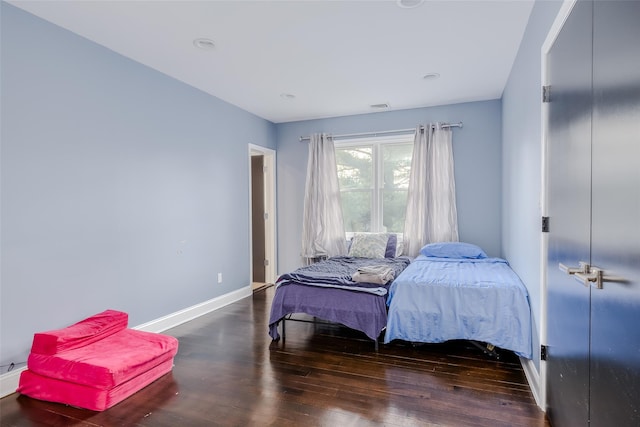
<point x="219" y="277"/>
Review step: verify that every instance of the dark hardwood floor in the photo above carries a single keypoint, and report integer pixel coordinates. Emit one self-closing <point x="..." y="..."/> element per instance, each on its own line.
<point x="229" y="373"/>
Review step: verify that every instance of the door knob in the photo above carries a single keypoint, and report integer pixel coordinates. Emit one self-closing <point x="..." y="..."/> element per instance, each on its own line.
<point x="594" y="275"/>
<point x="597" y="276"/>
<point x="583" y="268"/>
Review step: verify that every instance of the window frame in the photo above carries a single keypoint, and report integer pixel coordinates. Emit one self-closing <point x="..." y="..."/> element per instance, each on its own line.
<point x="377" y="192"/>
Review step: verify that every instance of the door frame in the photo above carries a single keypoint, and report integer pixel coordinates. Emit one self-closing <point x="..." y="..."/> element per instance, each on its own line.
<point x="270" y="238"/>
<point x="552" y="35"/>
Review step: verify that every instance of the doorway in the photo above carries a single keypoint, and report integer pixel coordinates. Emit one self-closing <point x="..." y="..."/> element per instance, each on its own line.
<point x="262" y="216"/>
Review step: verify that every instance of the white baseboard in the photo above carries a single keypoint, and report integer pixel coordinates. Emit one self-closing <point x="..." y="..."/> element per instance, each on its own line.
<point x="533" y="378"/>
<point x="179" y="317"/>
<point x="9" y="381"/>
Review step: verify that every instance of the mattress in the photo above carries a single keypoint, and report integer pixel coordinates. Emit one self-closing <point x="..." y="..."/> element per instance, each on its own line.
<point x="85" y="396"/>
<point x="325" y="290"/>
<point x="361" y="311"/>
<point x="108" y="362"/>
<point x="438" y="299"/>
<point x="83" y="333"/>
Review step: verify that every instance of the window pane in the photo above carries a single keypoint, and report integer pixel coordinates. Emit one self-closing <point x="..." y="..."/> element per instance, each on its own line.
<point x="374" y="178"/>
<point x="355" y="167"/>
<point x="396" y="165"/>
<point x="356" y="210"/>
<point x="394" y="203"/>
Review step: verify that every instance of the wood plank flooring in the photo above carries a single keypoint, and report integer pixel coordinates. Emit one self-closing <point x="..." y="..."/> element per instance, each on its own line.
<point x="229" y="373"/>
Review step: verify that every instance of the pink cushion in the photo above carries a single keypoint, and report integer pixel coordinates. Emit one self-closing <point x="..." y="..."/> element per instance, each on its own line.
<point x="83" y="396"/>
<point x="80" y="334"/>
<point x="108" y="362"/>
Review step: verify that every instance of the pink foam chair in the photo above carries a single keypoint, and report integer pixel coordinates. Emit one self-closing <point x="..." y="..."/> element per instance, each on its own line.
<point x="95" y="363"/>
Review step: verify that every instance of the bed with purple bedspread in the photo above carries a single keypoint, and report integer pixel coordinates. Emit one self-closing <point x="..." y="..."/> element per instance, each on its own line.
<point x="326" y="290"/>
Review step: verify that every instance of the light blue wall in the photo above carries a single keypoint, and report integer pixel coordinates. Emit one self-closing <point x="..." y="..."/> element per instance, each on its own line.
<point x="121" y="187"/>
<point x="521" y="129"/>
<point x="110" y="169"/>
<point x="477" y="157"/>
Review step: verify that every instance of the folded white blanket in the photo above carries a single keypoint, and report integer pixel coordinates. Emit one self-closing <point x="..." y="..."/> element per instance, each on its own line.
<point x="379" y="274"/>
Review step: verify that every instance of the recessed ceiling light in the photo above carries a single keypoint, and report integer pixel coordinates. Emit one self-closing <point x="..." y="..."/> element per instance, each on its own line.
<point x="287" y="96"/>
<point x="204" y="44"/>
<point x="431" y="76"/>
<point x="409" y="4"/>
<point x="380" y="106"/>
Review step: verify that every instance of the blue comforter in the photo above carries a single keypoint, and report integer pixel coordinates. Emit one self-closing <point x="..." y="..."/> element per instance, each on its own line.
<point x="324" y="290"/>
<point x="439" y="299"/>
<point x="336" y="272"/>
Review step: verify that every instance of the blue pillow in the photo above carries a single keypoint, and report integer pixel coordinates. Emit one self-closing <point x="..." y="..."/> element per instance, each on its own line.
<point x="392" y="243"/>
<point x="453" y="250"/>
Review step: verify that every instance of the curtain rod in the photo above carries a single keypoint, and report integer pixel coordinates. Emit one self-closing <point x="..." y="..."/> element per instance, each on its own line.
<point x="384" y="132"/>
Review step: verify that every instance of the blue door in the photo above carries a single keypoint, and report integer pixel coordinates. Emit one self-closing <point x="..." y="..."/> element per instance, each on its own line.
<point x="568" y="307"/>
<point x="594" y="205"/>
<point x="615" y="207"/>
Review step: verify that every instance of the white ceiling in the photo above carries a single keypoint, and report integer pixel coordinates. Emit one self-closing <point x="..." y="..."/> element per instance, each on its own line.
<point x="336" y="57"/>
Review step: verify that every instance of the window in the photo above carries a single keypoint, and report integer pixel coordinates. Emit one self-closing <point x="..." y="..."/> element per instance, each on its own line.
<point x="374" y="177"/>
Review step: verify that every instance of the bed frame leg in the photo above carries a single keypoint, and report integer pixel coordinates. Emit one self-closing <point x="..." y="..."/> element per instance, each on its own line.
<point x="488" y="349"/>
<point x="283" y="330"/>
<point x="375" y="343"/>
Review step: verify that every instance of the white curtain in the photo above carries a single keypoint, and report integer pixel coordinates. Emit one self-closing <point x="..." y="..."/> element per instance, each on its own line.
<point x="323" y="225"/>
<point x="431" y="214"/>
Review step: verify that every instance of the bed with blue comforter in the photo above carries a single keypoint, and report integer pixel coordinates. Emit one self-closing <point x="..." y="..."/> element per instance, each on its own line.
<point x="454" y="291"/>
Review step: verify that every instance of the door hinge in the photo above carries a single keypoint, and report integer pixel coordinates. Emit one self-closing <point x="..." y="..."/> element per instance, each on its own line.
<point x="546" y="93"/>
<point x="544" y="352"/>
<point x="266" y="262"/>
<point x="266" y="216"/>
<point x="545" y="224"/>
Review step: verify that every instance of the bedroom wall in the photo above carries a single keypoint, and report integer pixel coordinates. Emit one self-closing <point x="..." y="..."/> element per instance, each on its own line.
<point x="477" y="158"/>
<point x="121" y="187"/>
<point x="521" y="130"/>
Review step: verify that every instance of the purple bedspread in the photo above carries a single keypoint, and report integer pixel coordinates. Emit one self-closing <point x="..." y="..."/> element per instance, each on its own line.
<point x="362" y="311"/>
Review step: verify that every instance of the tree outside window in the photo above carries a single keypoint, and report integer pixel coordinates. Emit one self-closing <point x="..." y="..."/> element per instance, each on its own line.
<point x="374" y="178"/>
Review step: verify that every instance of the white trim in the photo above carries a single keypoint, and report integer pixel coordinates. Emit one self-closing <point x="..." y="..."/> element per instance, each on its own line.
<point x="554" y="31"/>
<point x="533" y="378"/>
<point x="179" y="317"/>
<point x="9" y="381"/>
<point x="270" y="206"/>
<point x="271" y="252"/>
<point x="389" y="139"/>
<point x="539" y="391"/>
